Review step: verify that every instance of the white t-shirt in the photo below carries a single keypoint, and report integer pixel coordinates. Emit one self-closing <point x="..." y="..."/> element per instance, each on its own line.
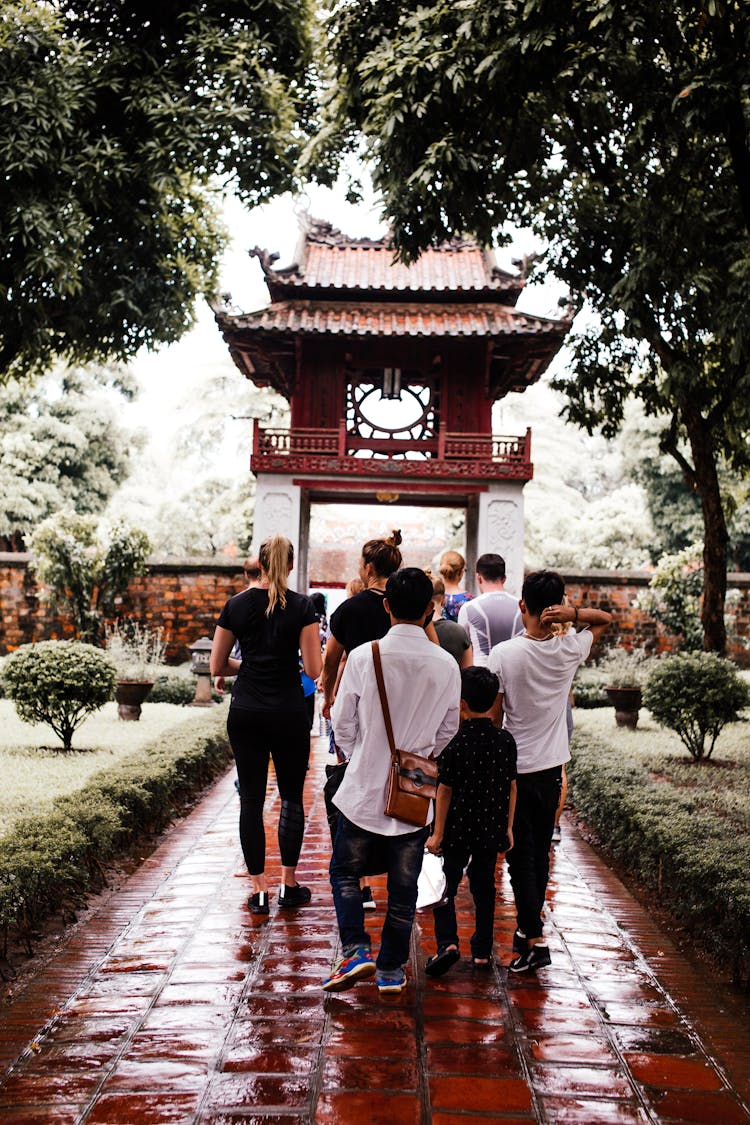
<point x="535" y="680"/>
<point x="423" y="686"/>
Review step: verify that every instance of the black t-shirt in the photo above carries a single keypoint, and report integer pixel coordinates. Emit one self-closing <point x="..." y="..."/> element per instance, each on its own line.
<point x="360" y="619"/>
<point x="268" y="679"/>
<point x="479" y="764"/>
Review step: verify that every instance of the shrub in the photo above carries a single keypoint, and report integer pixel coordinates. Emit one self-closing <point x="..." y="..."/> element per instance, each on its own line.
<point x="624" y="668"/>
<point x="173" y="687"/>
<point x="58" y="683"/>
<point x="85" y="569"/>
<point x="135" y="650"/>
<point x="696" y="695"/>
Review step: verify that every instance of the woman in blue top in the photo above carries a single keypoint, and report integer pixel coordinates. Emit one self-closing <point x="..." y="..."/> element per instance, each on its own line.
<point x="267" y="716"/>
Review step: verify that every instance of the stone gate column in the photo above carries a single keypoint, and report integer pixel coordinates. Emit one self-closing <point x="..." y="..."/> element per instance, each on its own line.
<point x="500" y="528"/>
<point x="277" y="512"/>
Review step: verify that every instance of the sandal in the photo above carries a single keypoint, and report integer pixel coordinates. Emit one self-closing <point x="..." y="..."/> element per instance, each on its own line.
<point x="483" y="963"/>
<point x="441" y="961"/>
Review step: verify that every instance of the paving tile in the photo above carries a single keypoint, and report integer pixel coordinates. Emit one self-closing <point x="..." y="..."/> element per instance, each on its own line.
<point x="394" y="1073"/>
<point x="348" y="1108"/>
<point x="691" y="1108"/>
<point x="478" y="1094"/>
<point x="593" y="1111"/>
<point x="143" y="1109"/>
<point x="573" y="1048"/>
<point x="566" y="1080"/>
<point x="258" y="1091"/>
<point x="673" y="1072"/>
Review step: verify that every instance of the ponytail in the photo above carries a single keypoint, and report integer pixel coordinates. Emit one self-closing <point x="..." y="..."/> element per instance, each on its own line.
<point x="383" y="554"/>
<point x="276" y="555"/>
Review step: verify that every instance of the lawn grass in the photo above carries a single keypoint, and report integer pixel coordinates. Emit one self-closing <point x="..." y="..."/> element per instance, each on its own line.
<point x="35" y="770"/>
<point x="680" y="827"/>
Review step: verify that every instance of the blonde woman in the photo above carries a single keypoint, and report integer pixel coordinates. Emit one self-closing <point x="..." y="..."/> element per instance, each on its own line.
<point x="452" y="567"/>
<point x="267" y="716"/>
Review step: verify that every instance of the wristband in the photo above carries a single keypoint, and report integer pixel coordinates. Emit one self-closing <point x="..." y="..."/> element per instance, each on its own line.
<point x="575" y="619"/>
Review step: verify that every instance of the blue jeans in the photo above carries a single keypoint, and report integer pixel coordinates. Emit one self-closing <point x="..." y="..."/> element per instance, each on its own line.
<point x="357" y="852"/>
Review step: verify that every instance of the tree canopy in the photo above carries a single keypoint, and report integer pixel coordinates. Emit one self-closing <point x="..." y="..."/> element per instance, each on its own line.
<point x="61" y="446"/>
<point x="119" y="122"/>
<point x="618" y="133"/>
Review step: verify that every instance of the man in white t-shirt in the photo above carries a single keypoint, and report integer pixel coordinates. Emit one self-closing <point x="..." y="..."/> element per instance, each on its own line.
<point x="423" y="688"/>
<point x="536" y="670"/>
<point x="493" y="616"/>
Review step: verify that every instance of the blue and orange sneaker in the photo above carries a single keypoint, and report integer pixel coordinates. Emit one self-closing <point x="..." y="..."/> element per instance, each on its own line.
<point x="350" y="968"/>
<point x="390" y="980"/>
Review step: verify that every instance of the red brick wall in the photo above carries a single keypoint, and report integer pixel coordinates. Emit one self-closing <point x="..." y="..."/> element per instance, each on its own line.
<point x="185" y="598"/>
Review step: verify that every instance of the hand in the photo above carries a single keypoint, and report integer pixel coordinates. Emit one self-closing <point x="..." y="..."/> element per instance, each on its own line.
<point x="325" y="710"/>
<point x="557" y="614"/>
<point x="219" y="685"/>
<point x="510" y="840"/>
<point x="433" y="844"/>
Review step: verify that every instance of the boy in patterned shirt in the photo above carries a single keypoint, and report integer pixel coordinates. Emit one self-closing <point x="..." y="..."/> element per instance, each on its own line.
<point x="474" y="810"/>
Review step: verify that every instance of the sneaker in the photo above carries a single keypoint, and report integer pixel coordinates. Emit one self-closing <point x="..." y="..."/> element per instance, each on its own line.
<point x="556" y="834"/>
<point x="537" y="957"/>
<point x="350" y="968"/>
<point x="294" y="896"/>
<point x="258" y="903"/>
<point x="393" y="980"/>
<point x="520" y="942"/>
<point x="368" y="902"/>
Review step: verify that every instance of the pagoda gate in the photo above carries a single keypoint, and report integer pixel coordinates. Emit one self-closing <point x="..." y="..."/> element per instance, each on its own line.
<point x="391" y="372"/>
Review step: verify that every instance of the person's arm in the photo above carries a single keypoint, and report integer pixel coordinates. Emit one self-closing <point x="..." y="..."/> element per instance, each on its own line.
<point x="345" y="711"/>
<point x="511" y="813"/>
<point x="431" y="632"/>
<point x="334" y="652"/>
<point x="309" y="644"/>
<point x="451" y="718"/>
<point x="598" y="620"/>
<point x="467" y="658"/>
<point x="442" y="804"/>
<point x="220" y="663"/>
<point x="496" y="711"/>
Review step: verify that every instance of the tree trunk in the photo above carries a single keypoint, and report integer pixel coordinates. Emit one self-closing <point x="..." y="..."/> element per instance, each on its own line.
<point x="715" y="535"/>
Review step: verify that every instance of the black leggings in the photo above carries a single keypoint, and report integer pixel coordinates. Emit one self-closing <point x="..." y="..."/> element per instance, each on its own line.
<point x="285" y="737"/>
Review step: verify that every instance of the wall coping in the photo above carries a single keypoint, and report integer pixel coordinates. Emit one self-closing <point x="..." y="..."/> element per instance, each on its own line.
<point x="211" y="565"/>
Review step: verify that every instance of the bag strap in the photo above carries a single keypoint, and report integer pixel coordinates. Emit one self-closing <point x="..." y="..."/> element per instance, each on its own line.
<point x="383" y="698"/>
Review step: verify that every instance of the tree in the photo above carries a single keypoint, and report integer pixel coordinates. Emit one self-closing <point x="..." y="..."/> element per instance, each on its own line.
<point x="86" y="569"/>
<point x="60" y="447"/>
<point x="619" y="133"/>
<point x="58" y="683"/>
<point x="119" y="121"/>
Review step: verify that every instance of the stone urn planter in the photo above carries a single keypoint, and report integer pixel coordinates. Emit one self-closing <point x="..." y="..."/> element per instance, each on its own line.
<point x="129" y="695"/>
<point x="626" y="702"/>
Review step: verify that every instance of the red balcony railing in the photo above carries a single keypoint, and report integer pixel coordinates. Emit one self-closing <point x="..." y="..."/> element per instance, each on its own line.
<point x="308" y="449"/>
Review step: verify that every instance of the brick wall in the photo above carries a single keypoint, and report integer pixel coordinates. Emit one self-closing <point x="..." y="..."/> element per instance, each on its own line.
<point x="185" y="598"/>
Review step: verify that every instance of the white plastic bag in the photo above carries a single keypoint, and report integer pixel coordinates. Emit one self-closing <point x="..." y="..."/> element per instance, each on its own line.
<point x="431" y="883"/>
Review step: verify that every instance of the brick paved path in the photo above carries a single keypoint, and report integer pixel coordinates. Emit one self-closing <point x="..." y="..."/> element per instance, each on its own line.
<point x="174" y="1004"/>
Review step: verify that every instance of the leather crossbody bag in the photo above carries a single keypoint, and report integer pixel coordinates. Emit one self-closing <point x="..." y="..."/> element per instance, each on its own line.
<point x="412" y="781"/>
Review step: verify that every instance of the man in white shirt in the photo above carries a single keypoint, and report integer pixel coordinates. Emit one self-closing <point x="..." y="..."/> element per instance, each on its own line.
<point x="536" y="670"/>
<point x="494" y="615"/>
<point x="423" y="687"/>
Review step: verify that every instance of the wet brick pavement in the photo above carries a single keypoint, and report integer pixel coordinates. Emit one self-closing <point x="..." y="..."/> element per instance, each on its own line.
<point x="174" y="1004"/>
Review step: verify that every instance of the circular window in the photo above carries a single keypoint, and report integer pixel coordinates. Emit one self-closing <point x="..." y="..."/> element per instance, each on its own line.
<point x="388" y="414"/>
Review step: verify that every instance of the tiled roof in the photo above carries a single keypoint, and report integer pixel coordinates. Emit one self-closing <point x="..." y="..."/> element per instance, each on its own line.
<point x="386" y="319"/>
<point x="328" y="259"/>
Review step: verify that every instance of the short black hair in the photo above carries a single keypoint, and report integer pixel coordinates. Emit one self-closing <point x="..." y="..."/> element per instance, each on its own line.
<point x="409" y="593"/>
<point x="491" y="567"/>
<point x="542" y="588"/>
<point x="319" y="601"/>
<point x="479" y="688"/>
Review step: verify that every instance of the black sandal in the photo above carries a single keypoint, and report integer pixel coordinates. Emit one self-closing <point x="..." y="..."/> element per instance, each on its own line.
<point x="441" y="961"/>
<point x="483" y="963"/>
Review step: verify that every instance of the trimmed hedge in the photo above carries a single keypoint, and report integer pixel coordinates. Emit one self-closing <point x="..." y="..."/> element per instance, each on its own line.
<point x="696" y="859"/>
<point x="49" y="862"/>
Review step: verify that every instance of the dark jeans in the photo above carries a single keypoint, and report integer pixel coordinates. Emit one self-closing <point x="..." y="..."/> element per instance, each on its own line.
<point x="538" y="795"/>
<point x="256" y="736"/>
<point x="481" y="876"/>
<point x="357" y="852"/>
